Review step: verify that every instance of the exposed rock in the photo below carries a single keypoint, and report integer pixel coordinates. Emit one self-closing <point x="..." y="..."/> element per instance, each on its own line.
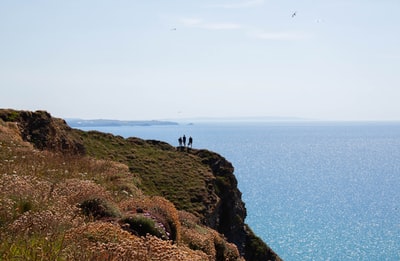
<point x="44" y="131"/>
<point x="230" y="213"/>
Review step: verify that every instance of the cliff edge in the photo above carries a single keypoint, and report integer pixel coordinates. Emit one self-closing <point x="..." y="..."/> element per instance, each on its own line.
<point x="230" y="213"/>
<point x="198" y="182"/>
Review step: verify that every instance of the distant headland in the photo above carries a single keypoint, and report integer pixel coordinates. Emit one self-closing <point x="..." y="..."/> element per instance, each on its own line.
<point x="114" y="123"/>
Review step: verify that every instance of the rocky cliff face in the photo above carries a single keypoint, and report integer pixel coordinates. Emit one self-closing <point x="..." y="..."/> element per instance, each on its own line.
<point x="44" y="131"/>
<point x="229" y="214"/>
<point x="219" y="206"/>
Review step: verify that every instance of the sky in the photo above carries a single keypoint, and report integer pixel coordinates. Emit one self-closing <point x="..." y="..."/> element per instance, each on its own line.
<point x="176" y="59"/>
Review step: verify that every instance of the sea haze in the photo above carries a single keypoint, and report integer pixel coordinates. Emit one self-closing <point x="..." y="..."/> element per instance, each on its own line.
<point x="313" y="191"/>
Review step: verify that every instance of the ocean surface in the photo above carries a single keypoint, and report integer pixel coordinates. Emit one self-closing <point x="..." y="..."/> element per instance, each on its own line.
<point x="313" y="191"/>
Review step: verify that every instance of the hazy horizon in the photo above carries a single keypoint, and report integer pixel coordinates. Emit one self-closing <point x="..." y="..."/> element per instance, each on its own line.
<point x="334" y="60"/>
<point x="260" y="119"/>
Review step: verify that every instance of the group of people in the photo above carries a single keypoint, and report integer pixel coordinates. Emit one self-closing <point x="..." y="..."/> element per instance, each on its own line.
<point x="182" y="141"/>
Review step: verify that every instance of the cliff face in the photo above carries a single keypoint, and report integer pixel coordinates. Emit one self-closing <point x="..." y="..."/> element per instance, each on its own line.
<point x="44" y="131"/>
<point x="230" y="212"/>
<point x="197" y="181"/>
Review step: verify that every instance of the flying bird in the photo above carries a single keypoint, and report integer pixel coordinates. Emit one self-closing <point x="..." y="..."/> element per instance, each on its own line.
<point x="173" y="29"/>
<point x="294" y="14"/>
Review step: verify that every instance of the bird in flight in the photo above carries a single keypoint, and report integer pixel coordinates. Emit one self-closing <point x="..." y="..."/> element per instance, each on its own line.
<point x="294" y="14"/>
<point x="173" y="29"/>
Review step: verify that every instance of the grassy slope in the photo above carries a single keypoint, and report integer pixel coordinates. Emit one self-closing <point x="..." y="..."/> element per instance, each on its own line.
<point x="164" y="171"/>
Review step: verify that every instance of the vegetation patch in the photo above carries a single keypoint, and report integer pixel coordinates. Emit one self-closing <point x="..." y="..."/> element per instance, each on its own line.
<point x="162" y="211"/>
<point x="9" y="115"/>
<point x="99" y="208"/>
<point x="141" y="225"/>
<point x="36" y="247"/>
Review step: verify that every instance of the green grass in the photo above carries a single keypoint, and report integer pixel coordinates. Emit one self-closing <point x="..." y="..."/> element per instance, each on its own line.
<point x="178" y="176"/>
<point x="36" y="247"/>
<point x="9" y="115"/>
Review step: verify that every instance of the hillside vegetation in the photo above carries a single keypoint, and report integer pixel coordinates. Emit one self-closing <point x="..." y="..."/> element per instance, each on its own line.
<point x="66" y="194"/>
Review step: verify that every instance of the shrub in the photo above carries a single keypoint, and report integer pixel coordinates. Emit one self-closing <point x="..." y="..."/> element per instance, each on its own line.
<point x="160" y="209"/>
<point x="99" y="208"/>
<point x="142" y="225"/>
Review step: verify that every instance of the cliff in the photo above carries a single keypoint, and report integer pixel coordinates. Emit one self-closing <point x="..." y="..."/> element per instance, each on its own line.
<point x="44" y="131"/>
<point x="185" y="192"/>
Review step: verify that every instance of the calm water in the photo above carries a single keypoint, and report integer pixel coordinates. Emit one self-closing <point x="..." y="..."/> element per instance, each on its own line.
<point x="313" y="191"/>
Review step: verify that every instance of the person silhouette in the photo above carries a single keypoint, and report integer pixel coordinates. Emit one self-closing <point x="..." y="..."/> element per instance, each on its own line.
<point x="180" y="141"/>
<point x="190" y="143"/>
<point x="184" y="140"/>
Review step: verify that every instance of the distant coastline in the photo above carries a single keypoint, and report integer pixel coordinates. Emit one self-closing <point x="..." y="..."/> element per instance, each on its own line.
<point x="76" y="123"/>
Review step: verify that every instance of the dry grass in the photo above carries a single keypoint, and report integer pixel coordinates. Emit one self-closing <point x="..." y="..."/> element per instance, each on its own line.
<point x="104" y="241"/>
<point x="40" y="218"/>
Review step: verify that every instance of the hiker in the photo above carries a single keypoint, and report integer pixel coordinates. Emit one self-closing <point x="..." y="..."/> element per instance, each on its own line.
<point x="190" y="142"/>
<point x="180" y="141"/>
<point x="184" y="140"/>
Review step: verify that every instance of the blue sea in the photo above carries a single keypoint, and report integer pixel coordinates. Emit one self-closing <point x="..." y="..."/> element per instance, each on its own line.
<point x="313" y="190"/>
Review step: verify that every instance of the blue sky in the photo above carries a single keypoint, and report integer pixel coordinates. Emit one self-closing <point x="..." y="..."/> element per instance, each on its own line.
<point x="334" y="60"/>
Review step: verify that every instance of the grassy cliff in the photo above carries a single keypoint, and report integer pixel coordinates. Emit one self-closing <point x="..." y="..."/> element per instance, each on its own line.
<point x="66" y="194"/>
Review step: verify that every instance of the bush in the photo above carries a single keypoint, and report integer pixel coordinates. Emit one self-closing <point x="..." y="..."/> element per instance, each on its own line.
<point x="99" y="208"/>
<point x="161" y="210"/>
<point x="141" y="226"/>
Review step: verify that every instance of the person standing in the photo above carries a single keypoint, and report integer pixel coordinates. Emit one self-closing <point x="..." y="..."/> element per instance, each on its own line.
<point x="190" y="143"/>
<point x="184" y="140"/>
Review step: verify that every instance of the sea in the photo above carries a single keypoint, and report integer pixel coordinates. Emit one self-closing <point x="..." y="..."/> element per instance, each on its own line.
<point x="313" y="190"/>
